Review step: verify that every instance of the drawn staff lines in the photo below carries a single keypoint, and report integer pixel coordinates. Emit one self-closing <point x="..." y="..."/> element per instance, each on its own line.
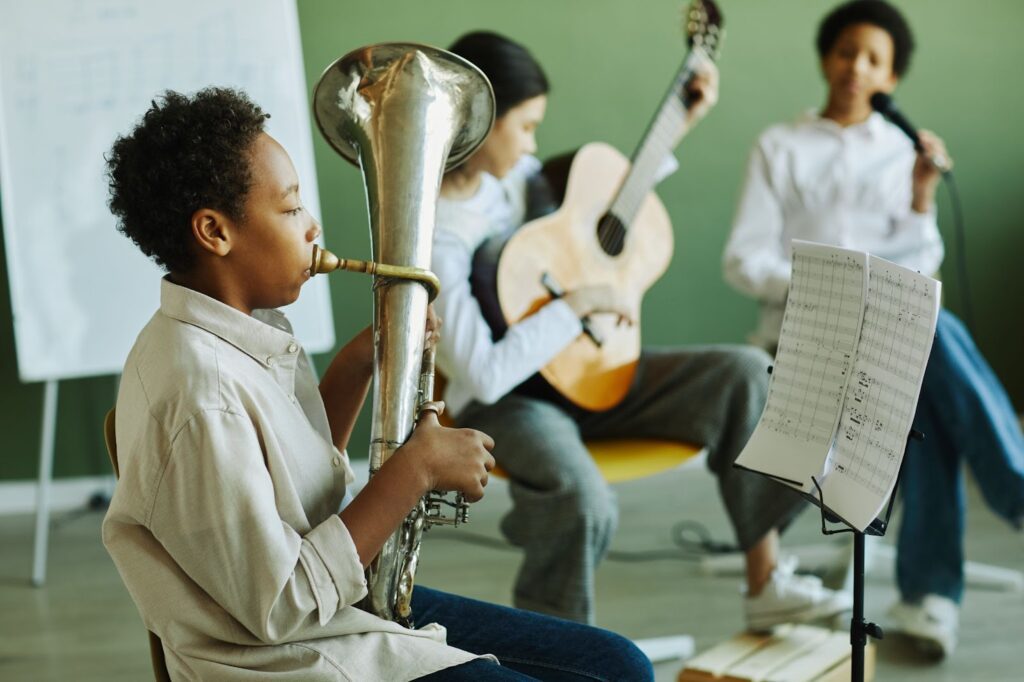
<point x="820" y="331"/>
<point x="855" y="339"/>
<point x="879" y="406"/>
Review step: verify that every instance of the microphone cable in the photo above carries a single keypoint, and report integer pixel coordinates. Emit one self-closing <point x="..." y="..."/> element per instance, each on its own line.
<point x="960" y="259"/>
<point x="883" y="103"/>
<point x="692" y="541"/>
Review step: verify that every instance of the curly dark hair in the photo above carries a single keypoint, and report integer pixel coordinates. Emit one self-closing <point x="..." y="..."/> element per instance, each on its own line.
<point x="876" y="12"/>
<point x="187" y="153"/>
<point x="514" y="74"/>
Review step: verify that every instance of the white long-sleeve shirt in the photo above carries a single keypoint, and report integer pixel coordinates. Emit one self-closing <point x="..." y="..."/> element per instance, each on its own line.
<point x="224" y="522"/>
<point x="477" y="367"/>
<point x="816" y="180"/>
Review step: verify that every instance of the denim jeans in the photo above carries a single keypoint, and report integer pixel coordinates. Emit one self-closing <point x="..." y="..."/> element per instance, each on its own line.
<point x="966" y="417"/>
<point x="530" y="646"/>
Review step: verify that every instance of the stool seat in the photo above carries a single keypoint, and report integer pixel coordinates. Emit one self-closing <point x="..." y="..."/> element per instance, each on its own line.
<point x="625" y="459"/>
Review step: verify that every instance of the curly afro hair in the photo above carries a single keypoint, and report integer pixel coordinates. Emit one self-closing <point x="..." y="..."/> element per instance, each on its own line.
<point x="877" y="13"/>
<point x="187" y="153"/>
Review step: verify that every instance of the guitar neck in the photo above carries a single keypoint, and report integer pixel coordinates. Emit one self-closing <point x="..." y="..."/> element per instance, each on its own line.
<point x="663" y="135"/>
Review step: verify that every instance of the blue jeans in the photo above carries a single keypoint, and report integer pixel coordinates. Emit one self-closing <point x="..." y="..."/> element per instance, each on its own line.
<point x="530" y="646"/>
<point x="966" y="417"/>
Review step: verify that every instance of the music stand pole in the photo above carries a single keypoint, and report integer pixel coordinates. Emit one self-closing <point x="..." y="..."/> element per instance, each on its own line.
<point x="861" y="629"/>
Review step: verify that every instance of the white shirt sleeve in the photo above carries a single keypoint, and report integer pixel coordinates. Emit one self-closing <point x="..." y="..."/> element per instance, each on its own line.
<point x="756" y="262"/>
<point x="215" y="514"/>
<point x="467" y="350"/>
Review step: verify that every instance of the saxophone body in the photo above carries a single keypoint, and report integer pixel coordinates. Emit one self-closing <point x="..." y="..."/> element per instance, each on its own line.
<point x="404" y="113"/>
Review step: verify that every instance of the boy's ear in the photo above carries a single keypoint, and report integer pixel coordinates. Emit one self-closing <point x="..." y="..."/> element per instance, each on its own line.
<point x="212" y="231"/>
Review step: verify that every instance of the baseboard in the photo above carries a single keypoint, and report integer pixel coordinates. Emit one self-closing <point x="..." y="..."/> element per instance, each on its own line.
<point x="19" y="497"/>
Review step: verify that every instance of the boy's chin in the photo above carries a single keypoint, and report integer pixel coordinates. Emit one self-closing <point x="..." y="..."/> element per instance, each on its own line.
<point x="283" y="300"/>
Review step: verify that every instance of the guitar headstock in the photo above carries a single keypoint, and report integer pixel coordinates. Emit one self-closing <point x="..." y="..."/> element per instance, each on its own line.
<point x="705" y="27"/>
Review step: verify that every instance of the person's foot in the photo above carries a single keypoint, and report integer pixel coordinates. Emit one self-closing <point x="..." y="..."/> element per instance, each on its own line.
<point x="791" y="598"/>
<point x="932" y="624"/>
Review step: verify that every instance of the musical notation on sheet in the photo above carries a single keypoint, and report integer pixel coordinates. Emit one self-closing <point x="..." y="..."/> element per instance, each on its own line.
<point x="899" y="322"/>
<point x="855" y="340"/>
<point x="820" y="329"/>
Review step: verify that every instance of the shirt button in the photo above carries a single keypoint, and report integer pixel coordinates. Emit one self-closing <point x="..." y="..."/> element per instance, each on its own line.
<point x="336" y="462"/>
<point x="293" y="347"/>
<point x="270" y="361"/>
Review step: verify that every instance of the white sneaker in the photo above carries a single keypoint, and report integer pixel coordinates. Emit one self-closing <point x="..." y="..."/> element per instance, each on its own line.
<point x="791" y="598"/>
<point x="932" y="624"/>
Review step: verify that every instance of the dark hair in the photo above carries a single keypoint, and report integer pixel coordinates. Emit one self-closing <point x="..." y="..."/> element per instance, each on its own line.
<point x="186" y="153"/>
<point x="514" y="74"/>
<point x="876" y="12"/>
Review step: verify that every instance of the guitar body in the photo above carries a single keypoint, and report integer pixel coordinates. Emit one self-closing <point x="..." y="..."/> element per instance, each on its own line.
<point x="608" y="229"/>
<point x="564" y="245"/>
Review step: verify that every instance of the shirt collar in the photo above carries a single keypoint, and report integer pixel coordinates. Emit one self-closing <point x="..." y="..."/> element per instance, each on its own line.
<point x="870" y="128"/>
<point x="264" y="335"/>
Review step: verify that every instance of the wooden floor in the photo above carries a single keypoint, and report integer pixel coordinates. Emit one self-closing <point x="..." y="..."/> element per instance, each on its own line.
<point x="82" y="625"/>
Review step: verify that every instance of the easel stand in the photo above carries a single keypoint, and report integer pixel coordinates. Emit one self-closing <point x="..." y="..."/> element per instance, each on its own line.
<point x="860" y="629"/>
<point x="46" y="443"/>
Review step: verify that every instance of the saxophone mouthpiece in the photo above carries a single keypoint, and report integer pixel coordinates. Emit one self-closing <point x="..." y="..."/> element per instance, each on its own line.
<point x="323" y="261"/>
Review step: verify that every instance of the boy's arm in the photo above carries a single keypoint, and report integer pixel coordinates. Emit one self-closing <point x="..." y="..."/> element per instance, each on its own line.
<point x="345" y="384"/>
<point x="434" y="458"/>
<point x="756" y="261"/>
<point x="216" y="515"/>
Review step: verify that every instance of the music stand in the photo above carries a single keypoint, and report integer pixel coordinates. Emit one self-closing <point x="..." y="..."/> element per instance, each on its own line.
<point x="860" y="629"/>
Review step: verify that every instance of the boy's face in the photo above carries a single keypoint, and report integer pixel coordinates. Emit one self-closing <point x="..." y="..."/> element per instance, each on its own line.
<point x="859" y="65"/>
<point x="272" y="248"/>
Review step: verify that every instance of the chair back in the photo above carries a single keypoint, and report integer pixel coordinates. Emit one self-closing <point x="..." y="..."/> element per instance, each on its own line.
<point x="156" y="647"/>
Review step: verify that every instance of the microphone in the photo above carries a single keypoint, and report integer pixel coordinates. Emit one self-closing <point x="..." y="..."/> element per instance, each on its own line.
<point x="883" y="104"/>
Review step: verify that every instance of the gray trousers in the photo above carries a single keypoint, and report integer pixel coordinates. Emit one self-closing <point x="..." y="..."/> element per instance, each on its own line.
<point x="564" y="513"/>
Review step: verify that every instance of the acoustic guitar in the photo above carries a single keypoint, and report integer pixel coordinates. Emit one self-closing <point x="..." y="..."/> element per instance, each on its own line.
<point x="610" y="228"/>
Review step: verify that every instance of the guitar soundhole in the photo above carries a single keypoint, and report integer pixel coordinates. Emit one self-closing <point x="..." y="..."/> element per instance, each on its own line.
<point x="611" y="234"/>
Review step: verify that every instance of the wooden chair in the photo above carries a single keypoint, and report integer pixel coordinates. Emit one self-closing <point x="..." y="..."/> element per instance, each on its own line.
<point x="156" y="647"/>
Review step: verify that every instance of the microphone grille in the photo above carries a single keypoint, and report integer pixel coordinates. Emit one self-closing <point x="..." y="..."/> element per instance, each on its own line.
<point x="881" y="102"/>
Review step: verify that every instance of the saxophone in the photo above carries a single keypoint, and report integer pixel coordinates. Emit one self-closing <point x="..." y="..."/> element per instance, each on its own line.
<point x="405" y="114"/>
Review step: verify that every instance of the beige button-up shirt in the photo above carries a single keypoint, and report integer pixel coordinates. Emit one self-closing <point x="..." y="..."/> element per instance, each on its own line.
<point x="224" y="521"/>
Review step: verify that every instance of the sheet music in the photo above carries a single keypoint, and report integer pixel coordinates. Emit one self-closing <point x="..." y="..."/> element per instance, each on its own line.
<point x="820" y="329"/>
<point x="896" y="339"/>
<point x="855" y="341"/>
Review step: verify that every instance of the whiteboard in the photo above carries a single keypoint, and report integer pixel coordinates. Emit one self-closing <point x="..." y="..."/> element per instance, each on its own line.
<point x="74" y="74"/>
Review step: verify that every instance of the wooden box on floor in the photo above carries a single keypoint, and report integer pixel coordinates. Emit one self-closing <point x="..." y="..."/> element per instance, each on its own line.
<point x="793" y="653"/>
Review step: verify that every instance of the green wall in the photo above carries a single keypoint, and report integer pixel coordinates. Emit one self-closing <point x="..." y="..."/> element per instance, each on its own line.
<point x="609" y="63"/>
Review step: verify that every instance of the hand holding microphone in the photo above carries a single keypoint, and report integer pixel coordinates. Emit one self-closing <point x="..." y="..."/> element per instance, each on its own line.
<point x="926" y="144"/>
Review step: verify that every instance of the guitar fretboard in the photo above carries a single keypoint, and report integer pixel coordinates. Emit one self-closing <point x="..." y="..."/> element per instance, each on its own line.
<point x="662" y="136"/>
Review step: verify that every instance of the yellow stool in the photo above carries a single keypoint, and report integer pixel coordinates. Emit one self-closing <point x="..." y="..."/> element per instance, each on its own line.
<point x="618" y="459"/>
<point x="626" y="459"/>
